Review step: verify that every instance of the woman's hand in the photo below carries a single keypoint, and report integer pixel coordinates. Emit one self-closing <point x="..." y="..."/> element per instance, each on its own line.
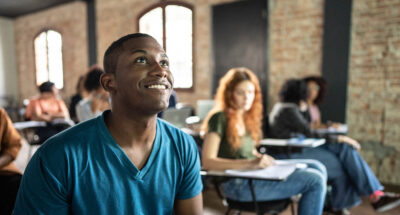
<point x="335" y="125"/>
<point x="263" y="161"/>
<point x="349" y="141"/>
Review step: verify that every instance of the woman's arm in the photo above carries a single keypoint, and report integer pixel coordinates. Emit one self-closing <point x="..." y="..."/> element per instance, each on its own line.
<point x="36" y="113"/>
<point x="211" y="161"/>
<point x="62" y="111"/>
<point x="10" y="140"/>
<point x="349" y="141"/>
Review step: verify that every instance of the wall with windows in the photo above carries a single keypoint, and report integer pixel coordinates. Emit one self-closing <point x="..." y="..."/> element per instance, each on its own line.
<point x="124" y="21"/>
<point x="8" y="74"/>
<point x="70" y="21"/>
<point x="295" y="50"/>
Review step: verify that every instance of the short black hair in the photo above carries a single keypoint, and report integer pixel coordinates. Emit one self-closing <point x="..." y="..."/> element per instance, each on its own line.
<point x="114" y="50"/>
<point x="293" y="91"/>
<point x="46" y="87"/>
<point x="92" y="80"/>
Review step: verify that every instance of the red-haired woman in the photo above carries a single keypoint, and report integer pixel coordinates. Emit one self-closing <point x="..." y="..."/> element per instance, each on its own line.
<point x="233" y="129"/>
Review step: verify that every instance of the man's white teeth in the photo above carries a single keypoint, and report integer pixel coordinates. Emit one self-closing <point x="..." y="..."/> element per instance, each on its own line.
<point x="158" y="86"/>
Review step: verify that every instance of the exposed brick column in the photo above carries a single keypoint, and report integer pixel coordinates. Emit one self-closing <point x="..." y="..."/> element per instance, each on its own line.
<point x="373" y="112"/>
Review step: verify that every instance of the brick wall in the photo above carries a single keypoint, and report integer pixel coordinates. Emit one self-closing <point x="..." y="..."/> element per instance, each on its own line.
<point x="295" y="42"/>
<point x="70" y="21"/>
<point x="373" y="105"/>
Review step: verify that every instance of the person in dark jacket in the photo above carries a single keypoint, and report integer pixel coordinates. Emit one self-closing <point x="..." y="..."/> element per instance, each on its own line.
<point x="348" y="173"/>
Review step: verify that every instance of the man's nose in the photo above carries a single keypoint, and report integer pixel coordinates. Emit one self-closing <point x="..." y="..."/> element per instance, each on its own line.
<point x="159" y="71"/>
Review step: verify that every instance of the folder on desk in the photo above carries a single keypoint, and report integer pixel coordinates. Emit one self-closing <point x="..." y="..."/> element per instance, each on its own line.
<point x="342" y="129"/>
<point x="294" y="142"/>
<point x="28" y="124"/>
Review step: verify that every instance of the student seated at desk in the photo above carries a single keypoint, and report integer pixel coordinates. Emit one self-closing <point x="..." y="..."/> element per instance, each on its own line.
<point x="233" y="128"/>
<point x="98" y="99"/>
<point x="10" y="177"/>
<point x="316" y="89"/>
<point x="80" y="94"/>
<point x="47" y="107"/>
<point x="348" y="173"/>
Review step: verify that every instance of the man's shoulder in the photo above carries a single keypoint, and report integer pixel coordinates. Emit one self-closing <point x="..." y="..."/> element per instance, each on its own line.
<point x="170" y="130"/>
<point x="79" y="133"/>
<point x="176" y="136"/>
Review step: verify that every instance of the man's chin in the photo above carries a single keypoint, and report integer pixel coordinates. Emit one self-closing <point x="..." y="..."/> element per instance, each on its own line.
<point x="161" y="106"/>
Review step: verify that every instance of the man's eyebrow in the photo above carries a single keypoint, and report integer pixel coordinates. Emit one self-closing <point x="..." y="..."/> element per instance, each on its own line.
<point x="138" y="50"/>
<point x="164" y="55"/>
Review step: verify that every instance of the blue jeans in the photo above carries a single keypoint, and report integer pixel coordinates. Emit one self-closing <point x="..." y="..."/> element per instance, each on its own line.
<point x="310" y="182"/>
<point x="348" y="173"/>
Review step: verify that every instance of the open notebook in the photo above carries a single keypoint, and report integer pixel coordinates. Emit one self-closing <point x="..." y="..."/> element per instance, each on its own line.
<point x="280" y="171"/>
<point x="294" y="142"/>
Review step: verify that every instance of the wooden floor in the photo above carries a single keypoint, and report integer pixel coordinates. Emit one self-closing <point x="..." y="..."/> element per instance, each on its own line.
<point x="213" y="206"/>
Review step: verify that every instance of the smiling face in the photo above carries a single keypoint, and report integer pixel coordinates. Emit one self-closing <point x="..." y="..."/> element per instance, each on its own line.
<point x="243" y="95"/>
<point x="143" y="81"/>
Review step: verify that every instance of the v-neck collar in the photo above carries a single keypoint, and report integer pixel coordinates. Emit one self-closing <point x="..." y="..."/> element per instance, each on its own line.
<point x="121" y="155"/>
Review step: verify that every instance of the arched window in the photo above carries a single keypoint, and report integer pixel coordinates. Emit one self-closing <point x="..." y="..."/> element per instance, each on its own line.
<point x="48" y="58"/>
<point x="172" y="26"/>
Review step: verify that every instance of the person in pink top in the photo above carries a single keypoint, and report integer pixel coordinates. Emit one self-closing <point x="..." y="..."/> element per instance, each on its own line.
<point x="47" y="106"/>
<point x="316" y="87"/>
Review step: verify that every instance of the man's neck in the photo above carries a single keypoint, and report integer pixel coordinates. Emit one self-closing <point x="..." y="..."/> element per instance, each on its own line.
<point x="131" y="130"/>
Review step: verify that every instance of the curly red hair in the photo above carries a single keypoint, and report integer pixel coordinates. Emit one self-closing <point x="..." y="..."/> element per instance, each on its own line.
<point x="224" y="102"/>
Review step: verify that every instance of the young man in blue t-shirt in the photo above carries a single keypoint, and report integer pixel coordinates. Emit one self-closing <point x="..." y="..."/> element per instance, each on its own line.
<point x="125" y="161"/>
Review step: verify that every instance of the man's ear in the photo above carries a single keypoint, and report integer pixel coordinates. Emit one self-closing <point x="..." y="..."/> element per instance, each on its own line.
<point x="107" y="81"/>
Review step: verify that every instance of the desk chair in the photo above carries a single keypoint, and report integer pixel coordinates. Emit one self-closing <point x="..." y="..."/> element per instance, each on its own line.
<point x="177" y="117"/>
<point x="273" y="207"/>
<point x="36" y="132"/>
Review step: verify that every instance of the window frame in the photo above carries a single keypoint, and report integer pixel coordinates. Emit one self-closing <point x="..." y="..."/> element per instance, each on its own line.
<point x="34" y="55"/>
<point x="163" y="5"/>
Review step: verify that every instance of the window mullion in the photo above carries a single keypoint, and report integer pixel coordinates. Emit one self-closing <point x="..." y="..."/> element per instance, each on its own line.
<point x="164" y="28"/>
<point x="47" y="55"/>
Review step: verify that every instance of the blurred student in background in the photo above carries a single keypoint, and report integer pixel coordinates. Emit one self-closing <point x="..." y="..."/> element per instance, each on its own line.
<point x="348" y="173"/>
<point x="98" y="99"/>
<point x="80" y="94"/>
<point x="47" y="106"/>
<point x="10" y="177"/>
<point x="316" y="89"/>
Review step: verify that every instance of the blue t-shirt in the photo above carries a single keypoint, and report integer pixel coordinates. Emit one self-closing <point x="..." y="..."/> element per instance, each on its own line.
<point x="84" y="171"/>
